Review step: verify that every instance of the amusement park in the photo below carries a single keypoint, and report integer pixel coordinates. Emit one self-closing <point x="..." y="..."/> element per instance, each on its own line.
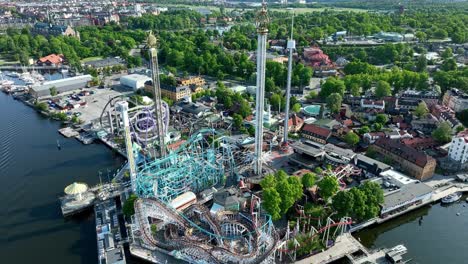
<point x="194" y="193"/>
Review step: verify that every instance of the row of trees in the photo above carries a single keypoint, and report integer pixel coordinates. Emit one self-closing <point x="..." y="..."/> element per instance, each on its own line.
<point x="360" y="203"/>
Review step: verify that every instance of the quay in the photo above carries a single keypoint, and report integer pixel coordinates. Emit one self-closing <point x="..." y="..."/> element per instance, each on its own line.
<point x="73" y="204"/>
<point x="438" y="194"/>
<point x="348" y="250"/>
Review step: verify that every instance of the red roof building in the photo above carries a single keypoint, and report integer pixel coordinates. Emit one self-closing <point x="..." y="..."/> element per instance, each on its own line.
<point x="51" y="60"/>
<point x="316" y="133"/>
<point x="315" y="58"/>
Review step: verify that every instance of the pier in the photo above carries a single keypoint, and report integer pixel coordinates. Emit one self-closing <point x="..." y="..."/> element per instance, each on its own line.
<point x="71" y="204"/>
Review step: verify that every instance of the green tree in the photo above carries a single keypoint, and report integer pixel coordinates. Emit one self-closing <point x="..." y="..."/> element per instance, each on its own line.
<point x="359" y="204"/>
<point x="309" y="179"/>
<point x="374" y="198"/>
<point x="459" y="128"/>
<point x="328" y="187"/>
<point x="449" y="65"/>
<point x="363" y="130"/>
<point x="377" y="127"/>
<point x="154" y="229"/>
<point x="332" y="85"/>
<point x="383" y="89"/>
<point x="421" y="64"/>
<point x="334" y="101"/>
<point x="343" y="203"/>
<point x="275" y="101"/>
<point x="41" y="106"/>
<point x="296" y="108"/>
<point x="381" y="119"/>
<point x="271" y="201"/>
<point x="443" y="133"/>
<point x="351" y="139"/>
<point x="421" y="110"/>
<point x="53" y="91"/>
<point x="447" y="54"/>
<point x="128" y="208"/>
<point x="312" y="95"/>
<point x="355" y="89"/>
<point x="238" y="120"/>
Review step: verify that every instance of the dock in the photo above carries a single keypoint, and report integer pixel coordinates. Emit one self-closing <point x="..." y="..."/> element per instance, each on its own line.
<point x="70" y="205"/>
<point x="68" y="132"/>
<point x="108" y="233"/>
<point x="348" y="250"/>
<point x="438" y="194"/>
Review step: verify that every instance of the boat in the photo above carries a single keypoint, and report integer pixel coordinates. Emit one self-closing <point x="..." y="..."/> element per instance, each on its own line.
<point x="451" y="198"/>
<point x="13" y="74"/>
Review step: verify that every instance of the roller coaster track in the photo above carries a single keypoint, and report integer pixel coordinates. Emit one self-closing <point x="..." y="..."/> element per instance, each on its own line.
<point x="321" y="230"/>
<point x="263" y="244"/>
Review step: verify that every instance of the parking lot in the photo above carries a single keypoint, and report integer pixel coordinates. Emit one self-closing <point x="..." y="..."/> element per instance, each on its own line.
<point x="95" y="103"/>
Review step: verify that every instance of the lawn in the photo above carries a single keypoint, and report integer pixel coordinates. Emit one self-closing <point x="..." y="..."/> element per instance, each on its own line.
<point x="91" y="59"/>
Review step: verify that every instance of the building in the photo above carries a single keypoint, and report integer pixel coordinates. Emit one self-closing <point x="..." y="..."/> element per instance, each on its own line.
<point x="389" y="36"/>
<point x="46" y="29"/>
<point x="295" y="124"/>
<point x="193" y="109"/>
<point x="417" y="164"/>
<point x="101" y="64"/>
<point x="51" y="60"/>
<point x="458" y="150"/>
<point x="175" y="93"/>
<point x="444" y="113"/>
<point x="419" y="143"/>
<point x="455" y="100"/>
<point x="370" y="165"/>
<point x="429" y="97"/>
<point x="134" y="81"/>
<point x="373" y="104"/>
<point x="314" y="57"/>
<point x="62" y="85"/>
<point x="194" y="80"/>
<point x="316" y="133"/>
<point x="425" y="124"/>
<point x="400" y="192"/>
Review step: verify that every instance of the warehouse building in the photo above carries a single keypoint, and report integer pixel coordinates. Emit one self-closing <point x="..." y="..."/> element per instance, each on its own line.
<point x="61" y="86"/>
<point x="134" y="81"/>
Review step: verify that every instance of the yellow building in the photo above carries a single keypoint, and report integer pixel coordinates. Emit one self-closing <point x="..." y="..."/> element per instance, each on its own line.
<point x="171" y="92"/>
<point x="197" y="81"/>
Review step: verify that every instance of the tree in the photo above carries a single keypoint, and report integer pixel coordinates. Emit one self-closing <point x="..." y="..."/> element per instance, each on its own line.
<point x="421" y="64"/>
<point x="443" y="133"/>
<point x="309" y="179"/>
<point x="359" y="210"/>
<point x="383" y="89"/>
<point x="332" y="85"/>
<point x="374" y="198"/>
<point x="238" y="120"/>
<point x="421" y="110"/>
<point x="53" y="91"/>
<point x="312" y="95"/>
<point x="41" y="106"/>
<point x="275" y="101"/>
<point x="351" y="138"/>
<point x="343" y="203"/>
<point x="421" y="36"/>
<point x="154" y="229"/>
<point x="381" y="119"/>
<point x="355" y="89"/>
<point x="459" y="128"/>
<point x="328" y="187"/>
<point x="363" y="130"/>
<point x="334" y="102"/>
<point x="128" y="208"/>
<point x="449" y="65"/>
<point x="296" y="108"/>
<point x="447" y="54"/>
<point x="271" y="201"/>
<point x="377" y="127"/>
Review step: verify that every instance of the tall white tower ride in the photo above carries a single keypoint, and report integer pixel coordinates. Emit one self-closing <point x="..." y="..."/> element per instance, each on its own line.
<point x="122" y="107"/>
<point x="262" y="31"/>
<point x="291" y="47"/>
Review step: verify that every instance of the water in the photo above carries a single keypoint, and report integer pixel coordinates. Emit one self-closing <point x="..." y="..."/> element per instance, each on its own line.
<point x="433" y="235"/>
<point x="33" y="173"/>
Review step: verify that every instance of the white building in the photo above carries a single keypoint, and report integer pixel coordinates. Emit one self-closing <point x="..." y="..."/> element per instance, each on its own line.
<point x="134" y="81"/>
<point x="458" y="150"/>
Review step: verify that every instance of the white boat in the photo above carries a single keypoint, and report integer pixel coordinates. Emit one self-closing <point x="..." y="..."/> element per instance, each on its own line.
<point x="13" y="74"/>
<point x="6" y="82"/>
<point x="451" y="198"/>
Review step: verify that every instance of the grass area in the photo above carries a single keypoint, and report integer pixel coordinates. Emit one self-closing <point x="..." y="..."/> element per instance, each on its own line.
<point x="91" y="59"/>
<point x="7" y="62"/>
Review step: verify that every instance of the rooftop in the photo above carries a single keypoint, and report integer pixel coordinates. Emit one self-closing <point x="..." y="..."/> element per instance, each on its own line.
<point x="406" y="193"/>
<point x="315" y="129"/>
<point x="395" y="147"/>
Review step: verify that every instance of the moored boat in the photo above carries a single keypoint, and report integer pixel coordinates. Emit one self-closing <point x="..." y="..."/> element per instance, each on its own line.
<point x="451" y="198"/>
